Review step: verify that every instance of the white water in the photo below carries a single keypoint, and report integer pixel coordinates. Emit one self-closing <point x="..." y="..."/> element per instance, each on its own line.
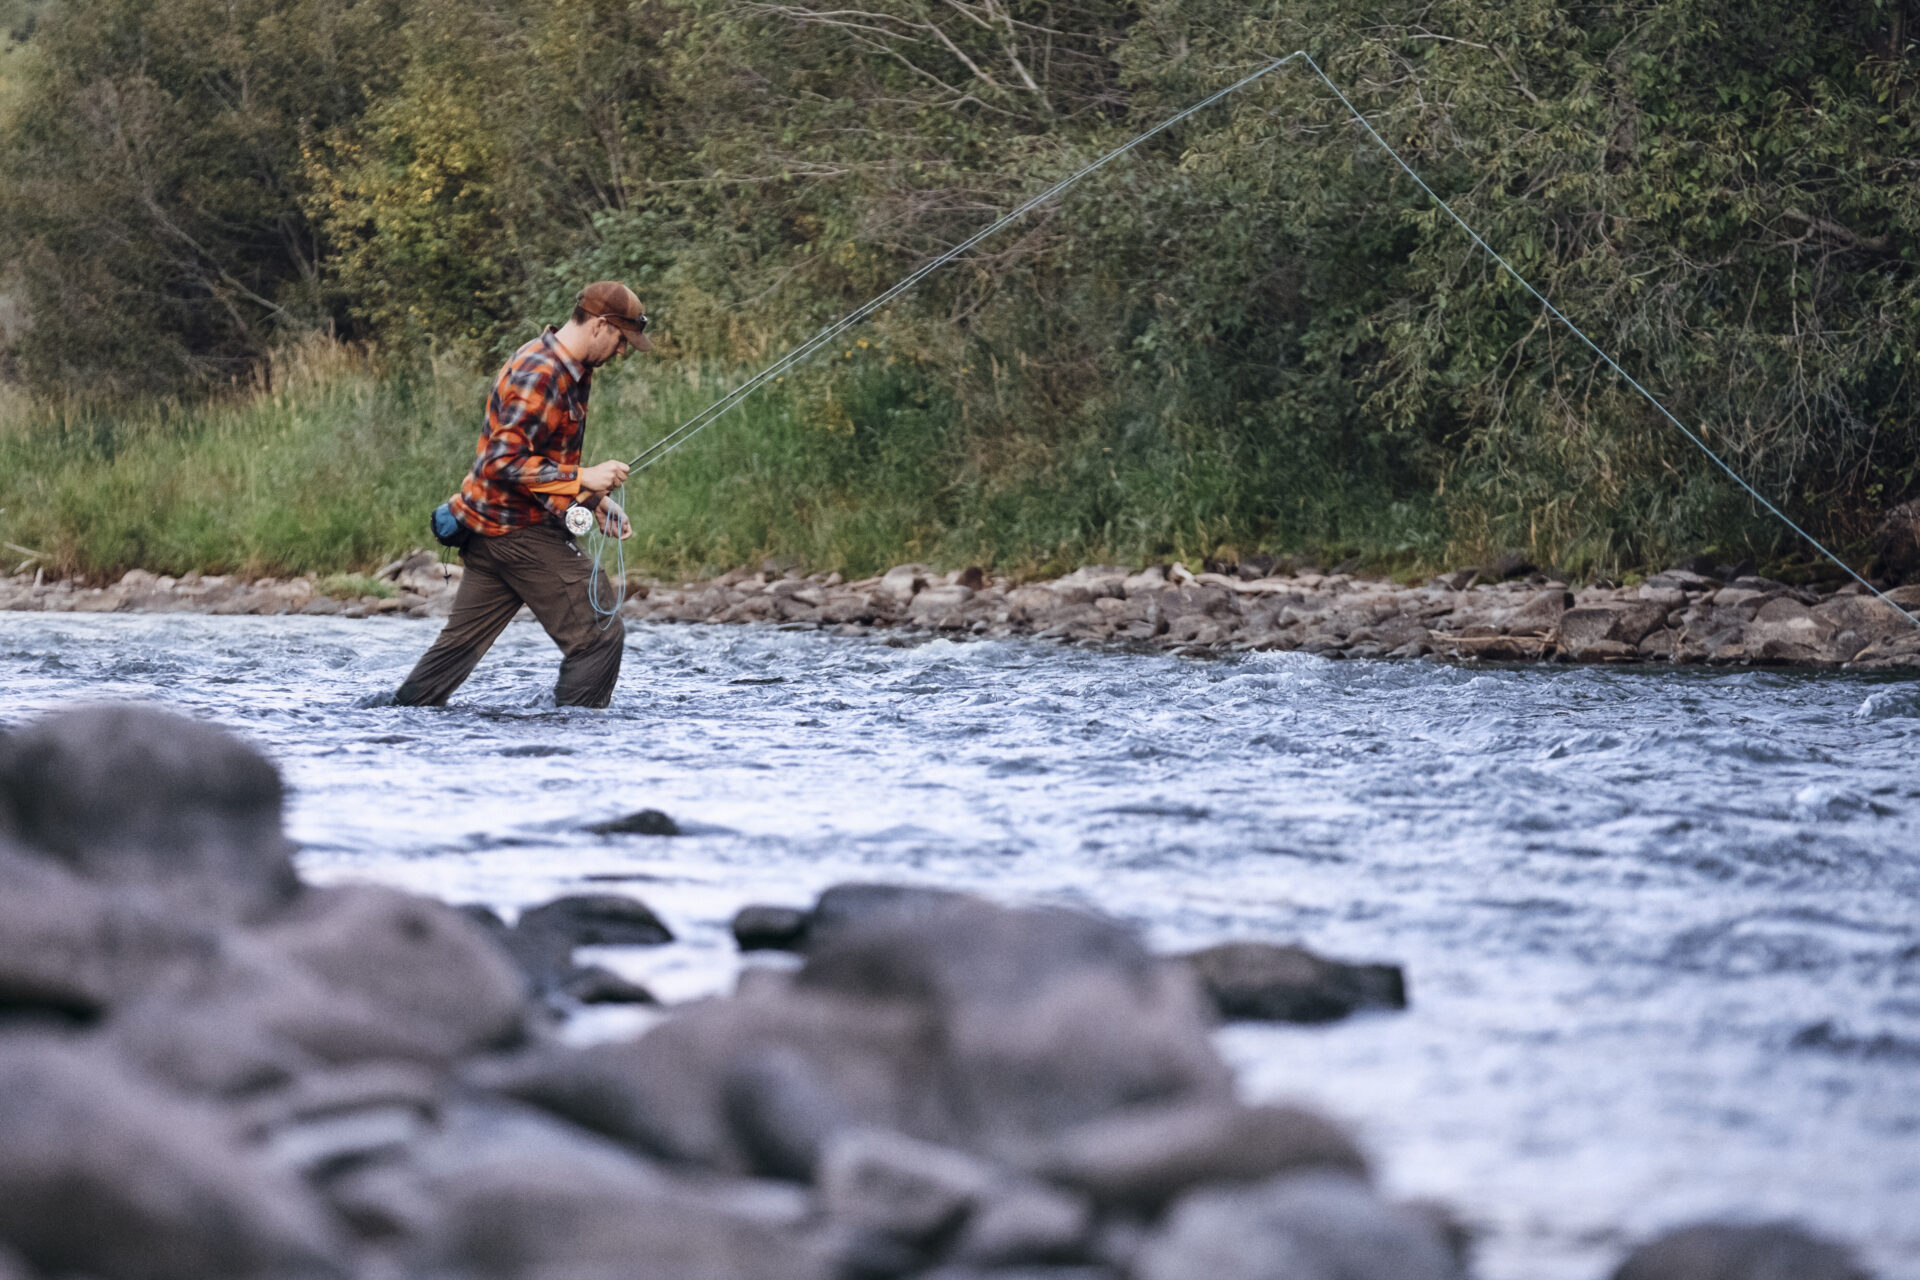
<point x="1620" y="895"/>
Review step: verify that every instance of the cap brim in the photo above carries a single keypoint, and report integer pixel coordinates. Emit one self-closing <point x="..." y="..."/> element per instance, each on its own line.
<point x="636" y="338"/>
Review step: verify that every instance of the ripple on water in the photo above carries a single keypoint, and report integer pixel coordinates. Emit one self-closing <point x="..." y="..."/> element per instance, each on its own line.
<point x="1659" y="926"/>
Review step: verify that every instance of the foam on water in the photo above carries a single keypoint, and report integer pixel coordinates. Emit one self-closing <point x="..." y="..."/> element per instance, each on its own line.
<point x="1661" y="928"/>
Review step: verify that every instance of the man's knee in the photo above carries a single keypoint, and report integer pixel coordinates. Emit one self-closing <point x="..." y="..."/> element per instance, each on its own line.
<point x="598" y="640"/>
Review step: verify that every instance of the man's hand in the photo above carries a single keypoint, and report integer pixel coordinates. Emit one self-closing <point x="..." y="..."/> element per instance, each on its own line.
<point x="613" y="521"/>
<point x="608" y="475"/>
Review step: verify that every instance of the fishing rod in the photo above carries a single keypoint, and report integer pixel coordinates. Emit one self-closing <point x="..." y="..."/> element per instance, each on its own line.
<point x="660" y="448"/>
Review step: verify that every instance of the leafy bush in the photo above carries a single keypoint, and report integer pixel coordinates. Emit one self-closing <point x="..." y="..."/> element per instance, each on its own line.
<point x="1255" y="332"/>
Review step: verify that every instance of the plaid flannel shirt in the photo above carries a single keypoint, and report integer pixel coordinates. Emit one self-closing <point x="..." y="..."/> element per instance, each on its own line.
<point x="527" y="464"/>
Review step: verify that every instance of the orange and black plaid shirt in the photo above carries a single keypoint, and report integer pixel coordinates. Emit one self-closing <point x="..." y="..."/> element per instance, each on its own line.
<point x="527" y="464"/>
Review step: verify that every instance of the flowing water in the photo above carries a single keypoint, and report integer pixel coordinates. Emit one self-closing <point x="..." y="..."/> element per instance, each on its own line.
<point x="1661" y="928"/>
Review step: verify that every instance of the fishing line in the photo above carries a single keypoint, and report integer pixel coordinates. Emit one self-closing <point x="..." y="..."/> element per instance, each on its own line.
<point x="660" y="448"/>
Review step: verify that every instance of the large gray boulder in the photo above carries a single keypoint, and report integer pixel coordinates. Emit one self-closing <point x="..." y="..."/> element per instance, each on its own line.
<point x="74" y="949"/>
<point x="430" y="968"/>
<point x="133" y="795"/>
<point x="963" y="1024"/>
<point x="937" y="1200"/>
<point x="1732" y="1251"/>
<point x="504" y="1199"/>
<point x="347" y="975"/>
<point x="1142" y="1157"/>
<point x="104" y="1175"/>
<point x="1044" y="1018"/>
<point x="1319" y="1226"/>
<point x="752" y="1085"/>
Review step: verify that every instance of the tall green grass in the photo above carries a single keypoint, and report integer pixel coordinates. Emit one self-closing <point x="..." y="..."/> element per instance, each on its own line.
<point x="333" y="464"/>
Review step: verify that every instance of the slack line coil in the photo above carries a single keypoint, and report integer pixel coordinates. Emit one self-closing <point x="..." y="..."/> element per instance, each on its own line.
<point x="660" y="448"/>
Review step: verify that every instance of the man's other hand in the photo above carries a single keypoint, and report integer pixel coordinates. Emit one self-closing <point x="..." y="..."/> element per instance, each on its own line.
<point x="613" y="521"/>
<point x="608" y="475"/>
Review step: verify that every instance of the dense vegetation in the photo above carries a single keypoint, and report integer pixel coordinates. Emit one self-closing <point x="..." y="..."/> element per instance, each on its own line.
<point x="1253" y="334"/>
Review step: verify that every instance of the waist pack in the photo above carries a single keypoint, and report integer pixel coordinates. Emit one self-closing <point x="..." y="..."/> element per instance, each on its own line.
<point x="447" y="529"/>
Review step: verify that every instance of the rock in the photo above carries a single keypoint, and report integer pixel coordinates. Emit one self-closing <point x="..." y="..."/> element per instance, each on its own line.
<point x="1507" y="565"/>
<point x="1659" y="646"/>
<point x="1693" y="575"/>
<point x="924" y="1195"/>
<point x="1045" y="1018"/>
<point x="1494" y="648"/>
<point x="1786" y="630"/>
<point x="1150" y="579"/>
<point x="900" y="583"/>
<point x="1143" y="1157"/>
<point x="744" y="1086"/>
<point x="1859" y="621"/>
<point x="595" y="920"/>
<point x="1898" y="542"/>
<point x="763" y="928"/>
<point x="646" y="822"/>
<point x="206" y="1048"/>
<point x="1258" y="980"/>
<point x="126" y="794"/>
<point x="324" y="1119"/>
<point x="595" y="984"/>
<point x="72" y="949"/>
<point x="1306" y="1227"/>
<point x="945" y="1019"/>
<point x="1719" y="1251"/>
<point x="1024" y="1222"/>
<point x="911" y="1190"/>
<point x="102" y="1174"/>
<point x="426" y="965"/>
<point x="1586" y="632"/>
<point x="939" y="606"/>
<point x="844" y="905"/>
<point x="546" y="1216"/>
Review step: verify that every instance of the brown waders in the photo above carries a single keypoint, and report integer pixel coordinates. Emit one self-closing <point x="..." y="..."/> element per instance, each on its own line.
<point x="538" y="566"/>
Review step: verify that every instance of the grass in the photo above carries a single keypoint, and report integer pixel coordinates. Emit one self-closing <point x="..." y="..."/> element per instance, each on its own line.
<point x="331" y="466"/>
<point x="353" y="586"/>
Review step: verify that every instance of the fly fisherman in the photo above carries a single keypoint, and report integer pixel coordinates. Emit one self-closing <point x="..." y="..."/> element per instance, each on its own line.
<point x="511" y="516"/>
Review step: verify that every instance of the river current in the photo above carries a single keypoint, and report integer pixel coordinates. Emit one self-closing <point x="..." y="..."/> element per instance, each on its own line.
<point x="1661" y="928"/>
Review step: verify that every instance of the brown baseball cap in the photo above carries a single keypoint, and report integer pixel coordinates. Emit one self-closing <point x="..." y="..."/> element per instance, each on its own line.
<point x="611" y="300"/>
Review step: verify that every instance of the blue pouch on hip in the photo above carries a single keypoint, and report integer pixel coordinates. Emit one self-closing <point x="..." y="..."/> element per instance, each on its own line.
<point x="447" y="529"/>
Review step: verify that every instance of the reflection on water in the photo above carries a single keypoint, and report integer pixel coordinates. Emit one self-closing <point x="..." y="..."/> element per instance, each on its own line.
<point x="1662" y="929"/>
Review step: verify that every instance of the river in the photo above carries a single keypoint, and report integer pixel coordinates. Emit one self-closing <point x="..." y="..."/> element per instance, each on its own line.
<point x="1661" y="928"/>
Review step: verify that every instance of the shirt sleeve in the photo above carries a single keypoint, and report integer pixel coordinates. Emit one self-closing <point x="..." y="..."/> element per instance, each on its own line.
<point x="523" y="412"/>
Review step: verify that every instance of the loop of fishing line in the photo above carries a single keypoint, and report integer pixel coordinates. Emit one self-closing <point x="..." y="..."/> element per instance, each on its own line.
<point x="660" y="448"/>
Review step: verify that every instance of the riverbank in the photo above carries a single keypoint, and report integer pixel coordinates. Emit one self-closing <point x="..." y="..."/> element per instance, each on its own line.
<point x="1677" y="616"/>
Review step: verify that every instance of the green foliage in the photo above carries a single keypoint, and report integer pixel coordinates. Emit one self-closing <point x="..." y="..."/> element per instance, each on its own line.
<point x="324" y="469"/>
<point x="353" y="586"/>
<point x="1255" y="332"/>
<point x="147" y="180"/>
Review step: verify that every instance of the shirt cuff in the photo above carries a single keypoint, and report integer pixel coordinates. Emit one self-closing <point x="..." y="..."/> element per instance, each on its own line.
<point x="568" y="488"/>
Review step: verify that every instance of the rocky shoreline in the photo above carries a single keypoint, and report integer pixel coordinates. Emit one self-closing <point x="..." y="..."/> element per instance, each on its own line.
<point x="1682" y="615"/>
<point x="210" y="1070"/>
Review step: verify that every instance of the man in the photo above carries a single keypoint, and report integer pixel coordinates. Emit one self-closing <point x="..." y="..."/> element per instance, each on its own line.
<point x="512" y="505"/>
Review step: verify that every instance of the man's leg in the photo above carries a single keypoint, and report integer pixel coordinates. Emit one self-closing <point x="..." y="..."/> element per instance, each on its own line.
<point x="482" y="608"/>
<point x="549" y="572"/>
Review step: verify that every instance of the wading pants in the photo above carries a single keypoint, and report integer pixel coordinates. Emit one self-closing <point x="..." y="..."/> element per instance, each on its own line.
<point x="540" y="567"/>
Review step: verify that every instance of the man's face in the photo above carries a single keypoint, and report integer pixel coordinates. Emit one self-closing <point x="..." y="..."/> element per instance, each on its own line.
<point x="605" y="342"/>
